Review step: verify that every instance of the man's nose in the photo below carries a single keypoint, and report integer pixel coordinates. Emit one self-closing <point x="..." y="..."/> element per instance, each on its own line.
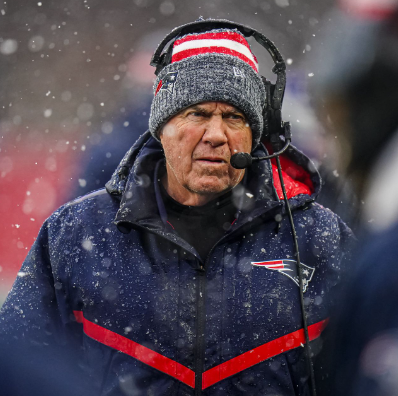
<point x="215" y="132"/>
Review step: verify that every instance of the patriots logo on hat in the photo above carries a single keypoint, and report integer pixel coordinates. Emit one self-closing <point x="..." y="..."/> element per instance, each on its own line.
<point x="168" y="82"/>
<point x="289" y="268"/>
<point x="238" y="72"/>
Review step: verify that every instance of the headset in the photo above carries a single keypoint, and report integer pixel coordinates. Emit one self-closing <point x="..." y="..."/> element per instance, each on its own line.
<point x="274" y="127"/>
<point x="276" y="131"/>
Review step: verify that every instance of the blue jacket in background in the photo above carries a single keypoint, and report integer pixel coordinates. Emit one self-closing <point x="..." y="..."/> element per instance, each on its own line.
<point x="361" y="355"/>
<point x="109" y="281"/>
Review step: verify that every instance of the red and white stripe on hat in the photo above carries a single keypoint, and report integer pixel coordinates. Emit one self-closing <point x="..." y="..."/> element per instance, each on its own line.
<point x="224" y="42"/>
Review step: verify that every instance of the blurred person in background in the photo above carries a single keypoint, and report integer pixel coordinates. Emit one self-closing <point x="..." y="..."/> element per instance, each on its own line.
<point x="354" y="95"/>
<point x="358" y="95"/>
<point x="181" y="276"/>
<point x="311" y="138"/>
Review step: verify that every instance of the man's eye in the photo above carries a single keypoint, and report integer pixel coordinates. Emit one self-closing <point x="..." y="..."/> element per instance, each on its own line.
<point x="236" y="117"/>
<point x="195" y="114"/>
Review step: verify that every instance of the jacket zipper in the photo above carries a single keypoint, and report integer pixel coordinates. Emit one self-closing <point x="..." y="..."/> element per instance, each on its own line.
<point x="200" y="315"/>
<point x="201" y="323"/>
<point x="200" y="330"/>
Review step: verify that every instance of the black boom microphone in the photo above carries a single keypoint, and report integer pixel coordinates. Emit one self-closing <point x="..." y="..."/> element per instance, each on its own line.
<point x="244" y="160"/>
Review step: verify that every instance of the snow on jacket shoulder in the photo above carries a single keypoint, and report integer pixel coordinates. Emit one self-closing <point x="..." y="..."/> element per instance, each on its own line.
<point x="109" y="278"/>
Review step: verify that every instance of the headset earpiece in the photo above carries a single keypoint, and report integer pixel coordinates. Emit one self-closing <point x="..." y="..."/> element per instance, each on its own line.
<point x="274" y="127"/>
<point x="266" y="112"/>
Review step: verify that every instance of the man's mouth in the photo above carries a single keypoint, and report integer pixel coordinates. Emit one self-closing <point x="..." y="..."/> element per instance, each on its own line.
<point x="212" y="160"/>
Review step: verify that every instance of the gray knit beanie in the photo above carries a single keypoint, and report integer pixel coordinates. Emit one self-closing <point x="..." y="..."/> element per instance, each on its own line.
<point x="217" y="65"/>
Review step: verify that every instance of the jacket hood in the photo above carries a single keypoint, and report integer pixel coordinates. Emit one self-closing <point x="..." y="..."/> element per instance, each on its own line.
<point x="135" y="180"/>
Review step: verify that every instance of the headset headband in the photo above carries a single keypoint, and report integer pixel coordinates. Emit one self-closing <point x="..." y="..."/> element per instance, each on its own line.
<point x="205" y="25"/>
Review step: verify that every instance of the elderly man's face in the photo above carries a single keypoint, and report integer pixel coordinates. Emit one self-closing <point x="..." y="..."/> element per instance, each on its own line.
<point x="198" y="144"/>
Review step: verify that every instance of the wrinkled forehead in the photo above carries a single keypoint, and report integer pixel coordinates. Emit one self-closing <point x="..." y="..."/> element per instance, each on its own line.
<point x="213" y="106"/>
<point x="224" y="106"/>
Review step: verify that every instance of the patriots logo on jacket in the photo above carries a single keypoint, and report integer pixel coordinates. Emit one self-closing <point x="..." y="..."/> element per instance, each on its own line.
<point x="288" y="268"/>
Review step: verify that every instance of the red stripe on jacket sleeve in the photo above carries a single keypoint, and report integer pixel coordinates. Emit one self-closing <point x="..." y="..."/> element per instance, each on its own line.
<point x="261" y="353"/>
<point x="137" y="351"/>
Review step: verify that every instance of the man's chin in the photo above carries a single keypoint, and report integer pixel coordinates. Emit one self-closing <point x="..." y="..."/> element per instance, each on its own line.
<point x="210" y="187"/>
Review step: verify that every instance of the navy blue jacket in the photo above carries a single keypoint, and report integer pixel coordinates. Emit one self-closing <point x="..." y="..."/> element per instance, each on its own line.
<point x="108" y="278"/>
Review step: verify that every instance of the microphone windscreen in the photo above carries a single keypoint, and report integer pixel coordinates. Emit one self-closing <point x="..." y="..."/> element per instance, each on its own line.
<point x="241" y="160"/>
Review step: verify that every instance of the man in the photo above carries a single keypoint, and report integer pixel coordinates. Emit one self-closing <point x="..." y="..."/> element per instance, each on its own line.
<point x="180" y="277"/>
